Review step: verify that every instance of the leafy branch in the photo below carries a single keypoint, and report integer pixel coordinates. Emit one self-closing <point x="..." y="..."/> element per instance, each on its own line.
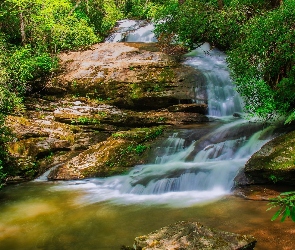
<point x="286" y="202"/>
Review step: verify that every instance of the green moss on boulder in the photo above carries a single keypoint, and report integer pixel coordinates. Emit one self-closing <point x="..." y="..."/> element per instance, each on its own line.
<point x="116" y="155"/>
<point x="274" y="162"/>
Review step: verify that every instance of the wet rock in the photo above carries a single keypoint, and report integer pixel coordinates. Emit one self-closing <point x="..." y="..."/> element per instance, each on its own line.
<point x="40" y="141"/>
<point x="107" y="89"/>
<point x="274" y="162"/>
<point x="190" y="108"/>
<point x="117" y="154"/>
<point x="107" y="117"/>
<point x="193" y="235"/>
<point x="260" y="192"/>
<point x="238" y="115"/>
<point x="132" y="76"/>
<point x="23" y="127"/>
<point x="36" y="147"/>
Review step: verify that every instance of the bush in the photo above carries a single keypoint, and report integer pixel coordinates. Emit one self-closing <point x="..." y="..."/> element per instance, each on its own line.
<point x="25" y="65"/>
<point x="263" y="62"/>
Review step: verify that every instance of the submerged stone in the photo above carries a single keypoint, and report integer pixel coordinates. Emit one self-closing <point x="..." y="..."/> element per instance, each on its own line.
<point x="193" y="235"/>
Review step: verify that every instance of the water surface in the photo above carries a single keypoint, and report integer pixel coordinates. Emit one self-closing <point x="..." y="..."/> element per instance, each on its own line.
<point x="38" y="216"/>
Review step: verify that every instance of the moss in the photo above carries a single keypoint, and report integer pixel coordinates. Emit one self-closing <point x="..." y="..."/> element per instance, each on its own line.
<point x="274" y="162"/>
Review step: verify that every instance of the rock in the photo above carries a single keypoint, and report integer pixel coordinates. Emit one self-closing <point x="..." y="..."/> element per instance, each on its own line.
<point x="117" y="154"/>
<point x="193" y="235"/>
<point x="109" y="88"/>
<point x="274" y="162"/>
<point x="40" y="142"/>
<point x="260" y="192"/>
<point x="129" y="75"/>
<point x="190" y="108"/>
<point x="237" y="114"/>
<point x="107" y="117"/>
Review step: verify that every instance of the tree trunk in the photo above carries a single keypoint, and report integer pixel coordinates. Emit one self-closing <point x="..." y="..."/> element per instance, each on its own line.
<point x="22" y="26"/>
<point x="75" y="7"/>
<point x="220" y="4"/>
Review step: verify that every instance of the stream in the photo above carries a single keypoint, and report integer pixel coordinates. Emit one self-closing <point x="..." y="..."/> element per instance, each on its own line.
<point x="190" y="178"/>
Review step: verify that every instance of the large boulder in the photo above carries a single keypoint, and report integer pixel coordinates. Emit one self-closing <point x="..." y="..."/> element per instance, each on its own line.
<point x="193" y="235"/>
<point x="274" y="162"/>
<point x="115" y="155"/>
<point x="128" y="75"/>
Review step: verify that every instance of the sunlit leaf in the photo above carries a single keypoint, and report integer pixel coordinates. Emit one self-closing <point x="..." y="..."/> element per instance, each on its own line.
<point x="277" y="214"/>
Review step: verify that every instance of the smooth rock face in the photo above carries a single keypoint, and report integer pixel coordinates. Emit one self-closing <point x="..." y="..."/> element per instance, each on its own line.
<point x="134" y="76"/>
<point x="274" y="162"/>
<point x="193" y="235"/>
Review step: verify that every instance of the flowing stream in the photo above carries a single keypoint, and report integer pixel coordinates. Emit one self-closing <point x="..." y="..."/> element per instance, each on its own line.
<point x="195" y="171"/>
<point x="190" y="179"/>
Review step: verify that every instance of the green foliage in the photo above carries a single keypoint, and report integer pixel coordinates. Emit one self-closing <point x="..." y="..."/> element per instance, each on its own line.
<point x="52" y="24"/>
<point x="112" y="14"/>
<point x="143" y="9"/>
<point x="4" y="138"/>
<point x="274" y="178"/>
<point x="195" y="22"/>
<point x="259" y="37"/>
<point x="263" y="62"/>
<point x="85" y="120"/>
<point x="138" y="149"/>
<point x="286" y="202"/>
<point x="25" y="65"/>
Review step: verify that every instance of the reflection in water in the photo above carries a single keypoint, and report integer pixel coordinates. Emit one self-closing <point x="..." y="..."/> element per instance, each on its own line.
<point x="35" y="217"/>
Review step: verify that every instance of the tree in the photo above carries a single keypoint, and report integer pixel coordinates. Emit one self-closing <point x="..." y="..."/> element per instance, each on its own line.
<point x="263" y="62"/>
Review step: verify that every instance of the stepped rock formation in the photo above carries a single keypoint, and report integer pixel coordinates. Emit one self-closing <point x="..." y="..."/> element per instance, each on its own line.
<point x="109" y="88"/>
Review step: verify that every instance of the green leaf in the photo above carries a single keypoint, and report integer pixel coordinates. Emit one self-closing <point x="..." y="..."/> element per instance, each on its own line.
<point x="277" y="214"/>
<point x="286" y="214"/>
<point x="292" y="213"/>
<point x="288" y="193"/>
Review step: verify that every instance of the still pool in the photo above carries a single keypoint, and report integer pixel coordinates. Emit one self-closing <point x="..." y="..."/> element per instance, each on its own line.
<point x="39" y="216"/>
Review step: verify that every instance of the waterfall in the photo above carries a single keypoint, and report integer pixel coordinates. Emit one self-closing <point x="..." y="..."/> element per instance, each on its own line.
<point x="205" y="169"/>
<point x="132" y="31"/>
<point x="223" y="100"/>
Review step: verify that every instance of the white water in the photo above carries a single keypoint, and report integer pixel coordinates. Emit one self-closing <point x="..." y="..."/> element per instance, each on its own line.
<point x="202" y="171"/>
<point x="223" y="100"/>
<point x="132" y="31"/>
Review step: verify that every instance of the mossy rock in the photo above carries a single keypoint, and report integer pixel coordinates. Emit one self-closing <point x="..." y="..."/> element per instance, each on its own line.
<point x="274" y="162"/>
<point x="130" y="76"/>
<point x="120" y="152"/>
<point x="193" y="235"/>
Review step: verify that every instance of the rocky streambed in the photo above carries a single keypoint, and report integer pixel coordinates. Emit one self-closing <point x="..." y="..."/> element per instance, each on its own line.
<point x="104" y="112"/>
<point x="104" y="109"/>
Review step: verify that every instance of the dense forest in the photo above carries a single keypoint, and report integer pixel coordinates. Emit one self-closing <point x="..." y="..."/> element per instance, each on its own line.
<point x="258" y="36"/>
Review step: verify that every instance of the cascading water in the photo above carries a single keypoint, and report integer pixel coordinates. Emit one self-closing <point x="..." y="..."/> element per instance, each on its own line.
<point x="207" y="167"/>
<point x="223" y="100"/>
<point x="132" y="31"/>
